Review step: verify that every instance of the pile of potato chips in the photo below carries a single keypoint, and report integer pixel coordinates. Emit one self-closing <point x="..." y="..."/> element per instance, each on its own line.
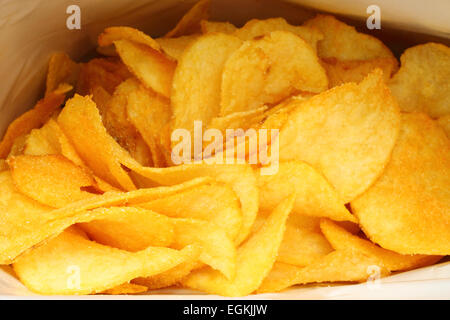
<point x="91" y="201"/>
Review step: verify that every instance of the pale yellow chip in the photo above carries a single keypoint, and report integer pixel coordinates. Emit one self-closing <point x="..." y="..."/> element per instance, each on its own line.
<point x="239" y="120"/>
<point x="346" y="133"/>
<point x="444" y="122"/>
<point x="33" y="118"/>
<point x="52" y="180"/>
<point x="190" y="22"/>
<point x="338" y="266"/>
<point x="152" y="67"/>
<point x="408" y="209"/>
<point x="198" y="78"/>
<point x="111" y="34"/>
<point x="174" y="47"/>
<point x="315" y="196"/>
<point x="257" y="28"/>
<point x="217" y="26"/>
<point x="269" y="69"/>
<point x="126" y="288"/>
<point x="343" y="42"/>
<point x="422" y="83"/>
<point x="61" y="69"/>
<point x="340" y="72"/>
<point x="82" y="124"/>
<point x="72" y="264"/>
<point x="341" y="239"/>
<point x="255" y="258"/>
<point x="214" y="202"/>
<point x="130" y="229"/>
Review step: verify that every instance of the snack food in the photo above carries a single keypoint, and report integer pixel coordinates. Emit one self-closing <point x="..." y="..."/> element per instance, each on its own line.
<point x="94" y="198"/>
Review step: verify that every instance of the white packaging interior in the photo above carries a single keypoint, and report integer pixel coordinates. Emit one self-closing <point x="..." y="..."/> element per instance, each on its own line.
<point x="30" y="30"/>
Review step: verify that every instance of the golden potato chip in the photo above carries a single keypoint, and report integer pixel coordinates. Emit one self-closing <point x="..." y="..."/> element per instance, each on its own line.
<point x="267" y="70"/>
<point x="314" y="195"/>
<point x="422" y="83"/>
<point x="149" y="113"/>
<point x="200" y="203"/>
<point x="81" y="122"/>
<point x="407" y="209"/>
<point x="255" y="258"/>
<point x="343" y="42"/>
<point x="18" y="146"/>
<point x="341" y="239"/>
<point x="61" y="69"/>
<point x="346" y="133"/>
<point x="130" y="229"/>
<point x="444" y="122"/>
<point x="150" y="66"/>
<point x="338" y="266"/>
<point x="190" y="22"/>
<point x="71" y="264"/>
<point x="3" y="165"/>
<point x="217" y="250"/>
<point x="197" y="80"/>
<point x="101" y="97"/>
<point x="257" y="28"/>
<point x="174" y="47"/>
<point x="52" y="180"/>
<point x="216" y="26"/>
<point x="126" y="288"/>
<point x="340" y="72"/>
<point x="239" y="120"/>
<point x="112" y="34"/>
<point x="33" y="118"/>
<point x="173" y="276"/>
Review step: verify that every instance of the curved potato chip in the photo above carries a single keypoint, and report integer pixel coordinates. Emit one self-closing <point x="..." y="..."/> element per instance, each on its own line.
<point x="82" y="124"/>
<point x="338" y="266"/>
<point x="52" y="180"/>
<point x="190" y="22"/>
<point x="197" y="79"/>
<point x="267" y="70"/>
<point x="343" y="42"/>
<point x="33" y="118"/>
<point x="111" y="34"/>
<point x="257" y="28"/>
<point x="216" y="26"/>
<point x="408" y="209"/>
<point x="126" y="288"/>
<point x="340" y="72"/>
<point x="53" y="268"/>
<point x="422" y="83"/>
<point x="341" y="239"/>
<point x="130" y="229"/>
<point x="314" y="195"/>
<point x="174" y="47"/>
<point x="444" y="122"/>
<point x="255" y="258"/>
<point x="238" y="120"/>
<point x="61" y="69"/>
<point x="150" y="66"/>
<point x="213" y="202"/>
<point x="346" y="133"/>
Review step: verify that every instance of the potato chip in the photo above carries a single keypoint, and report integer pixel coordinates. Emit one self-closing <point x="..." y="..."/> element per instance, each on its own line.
<point x="257" y="28"/>
<point x="422" y="83"/>
<point x="341" y="239"/>
<point x="81" y="122"/>
<point x="71" y="264"/>
<point x="444" y="122"/>
<point x="101" y="97"/>
<point x="33" y="118"/>
<point x="3" y="165"/>
<point x="267" y="70"/>
<point x="126" y="288"/>
<point x="338" y="266"/>
<point x="173" y="276"/>
<point x="340" y="72"/>
<point x="130" y="229"/>
<point x="239" y="120"/>
<point x="343" y="42"/>
<point x="200" y="203"/>
<point x="217" y="26"/>
<point x="254" y="259"/>
<point x="52" y="180"/>
<point x="346" y="133"/>
<point x="407" y="209"/>
<point x="112" y="34"/>
<point x="18" y="146"/>
<point x="61" y="69"/>
<point x="190" y="22"/>
<point x="174" y="47"/>
<point x="315" y="197"/>
<point x="197" y="80"/>
<point x="150" y="66"/>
